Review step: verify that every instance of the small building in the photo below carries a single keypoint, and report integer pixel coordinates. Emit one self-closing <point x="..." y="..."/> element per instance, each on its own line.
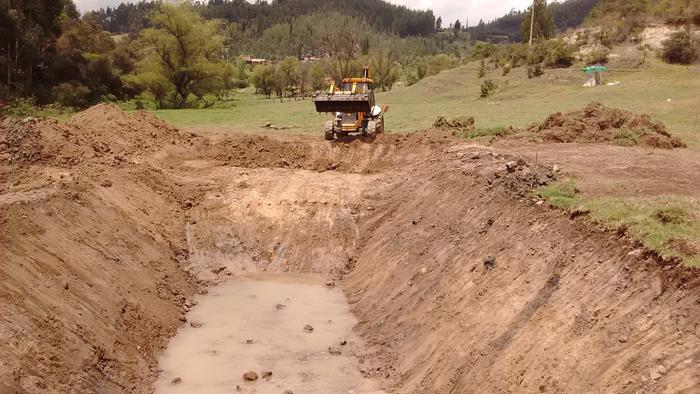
<point x="252" y="60"/>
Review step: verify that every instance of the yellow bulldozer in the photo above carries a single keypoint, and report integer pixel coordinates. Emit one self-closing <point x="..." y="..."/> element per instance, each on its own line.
<point x="353" y="107"/>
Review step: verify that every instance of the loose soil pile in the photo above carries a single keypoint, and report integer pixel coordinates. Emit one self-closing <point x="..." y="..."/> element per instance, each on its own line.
<point x="459" y="126"/>
<point x="109" y="225"/>
<point x="598" y="123"/>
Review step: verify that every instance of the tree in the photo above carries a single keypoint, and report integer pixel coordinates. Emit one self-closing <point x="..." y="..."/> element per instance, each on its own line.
<point x="385" y="70"/>
<point x="544" y="22"/>
<point x="457" y="26"/>
<point x="289" y="72"/>
<point x="263" y="78"/>
<point x="183" y="60"/>
<point x="438" y="24"/>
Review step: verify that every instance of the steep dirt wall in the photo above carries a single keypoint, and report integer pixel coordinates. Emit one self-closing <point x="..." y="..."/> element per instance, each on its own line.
<point x="466" y="289"/>
<point x="91" y="287"/>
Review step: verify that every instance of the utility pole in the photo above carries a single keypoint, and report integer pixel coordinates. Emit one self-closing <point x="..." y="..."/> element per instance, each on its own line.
<point x="532" y="21"/>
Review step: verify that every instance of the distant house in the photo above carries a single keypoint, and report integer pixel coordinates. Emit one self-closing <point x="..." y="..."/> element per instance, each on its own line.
<point x="252" y="60"/>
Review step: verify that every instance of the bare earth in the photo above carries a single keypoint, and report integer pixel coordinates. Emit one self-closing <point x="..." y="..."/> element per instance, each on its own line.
<point x="110" y="224"/>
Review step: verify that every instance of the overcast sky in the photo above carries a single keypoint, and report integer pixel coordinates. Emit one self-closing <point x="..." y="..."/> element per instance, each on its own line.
<point x="449" y="10"/>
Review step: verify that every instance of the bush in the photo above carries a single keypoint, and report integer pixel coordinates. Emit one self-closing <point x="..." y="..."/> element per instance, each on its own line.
<point x="506" y="69"/>
<point x="679" y="48"/>
<point x="534" y="71"/>
<point x="558" y="54"/>
<point x="488" y="87"/>
<point x="71" y="94"/>
<point x="482" y="50"/>
<point x="597" y="57"/>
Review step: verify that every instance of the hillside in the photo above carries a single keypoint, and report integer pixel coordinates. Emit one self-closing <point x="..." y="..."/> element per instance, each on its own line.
<point x="568" y="14"/>
<point x="383" y="16"/>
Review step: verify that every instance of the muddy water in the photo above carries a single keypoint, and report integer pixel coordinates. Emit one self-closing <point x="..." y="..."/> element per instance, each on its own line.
<point x="257" y="324"/>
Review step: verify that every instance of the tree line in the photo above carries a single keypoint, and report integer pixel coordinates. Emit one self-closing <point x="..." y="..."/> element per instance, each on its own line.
<point x="259" y="16"/>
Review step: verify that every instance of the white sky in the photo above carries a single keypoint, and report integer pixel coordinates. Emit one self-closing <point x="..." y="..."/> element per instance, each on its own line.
<point x="449" y="10"/>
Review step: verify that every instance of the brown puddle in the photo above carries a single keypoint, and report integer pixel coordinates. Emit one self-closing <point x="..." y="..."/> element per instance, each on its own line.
<point x="272" y="311"/>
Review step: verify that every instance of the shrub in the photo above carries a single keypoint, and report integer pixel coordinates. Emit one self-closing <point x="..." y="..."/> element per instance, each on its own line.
<point x="679" y="48"/>
<point x="534" y="71"/>
<point x="488" y="87"/>
<point x="482" y="50"/>
<point x="558" y="54"/>
<point x="597" y="57"/>
<point x="506" y="69"/>
<point x="71" y="94"/>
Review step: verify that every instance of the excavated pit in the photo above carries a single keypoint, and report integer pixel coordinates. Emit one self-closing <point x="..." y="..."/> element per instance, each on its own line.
<point x="458" y="281"/>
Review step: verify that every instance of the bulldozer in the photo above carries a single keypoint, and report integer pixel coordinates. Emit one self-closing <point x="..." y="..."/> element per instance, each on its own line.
<point x="353" y="107"/>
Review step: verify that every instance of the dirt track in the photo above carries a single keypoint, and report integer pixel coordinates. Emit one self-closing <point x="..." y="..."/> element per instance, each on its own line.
<point x="110" y="224"/>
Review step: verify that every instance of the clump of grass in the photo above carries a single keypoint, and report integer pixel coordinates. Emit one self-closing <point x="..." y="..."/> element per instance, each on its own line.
<point x="562" y="194"/>
<point x="661" y="224"/>
<point x="486" y="132"/>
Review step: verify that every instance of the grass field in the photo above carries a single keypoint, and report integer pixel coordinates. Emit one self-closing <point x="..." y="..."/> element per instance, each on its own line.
<point x="518" y="102"/>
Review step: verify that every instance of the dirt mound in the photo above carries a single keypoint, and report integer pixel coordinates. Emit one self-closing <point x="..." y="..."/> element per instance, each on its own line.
<point x="459" y="126"/>
<point x="127" y="133"/>
<point x="34" y="141"/>
<point x="599" y="123"/>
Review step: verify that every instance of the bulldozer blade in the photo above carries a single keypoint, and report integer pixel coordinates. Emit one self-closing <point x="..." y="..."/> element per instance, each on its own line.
<point x="343" y="103"/>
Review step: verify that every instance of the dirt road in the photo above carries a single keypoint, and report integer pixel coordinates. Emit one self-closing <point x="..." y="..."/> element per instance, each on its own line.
<point x="112" y="223"/>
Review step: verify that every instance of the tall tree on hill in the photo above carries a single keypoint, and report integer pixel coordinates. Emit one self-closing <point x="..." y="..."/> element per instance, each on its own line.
<point x="543" y="25"/>
<point x="438" y="24"/>
<point x="184" y="60"/>
<point x="458" y="26"/>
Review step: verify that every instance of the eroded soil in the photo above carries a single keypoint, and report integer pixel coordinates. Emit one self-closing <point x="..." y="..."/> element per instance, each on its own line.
<point x="458" y="280"/>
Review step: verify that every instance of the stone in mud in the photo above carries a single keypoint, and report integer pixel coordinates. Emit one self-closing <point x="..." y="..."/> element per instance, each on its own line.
<point x="267" y="374"/>
<point x="177" y="380"/>
<point x="288" y="392"/>
<point x="249" y="341"/>
<point x="280" y="306"/>
<point x="250" y="376"/>
<point x="489" y="262"/>
<point x="343" y="342"/>
<point x="330" y="283"/>
<point x="308" y="328"/>
<point x="334" y="351"/>
<point x="195" y="324"/>
<point x="217" y="269"/>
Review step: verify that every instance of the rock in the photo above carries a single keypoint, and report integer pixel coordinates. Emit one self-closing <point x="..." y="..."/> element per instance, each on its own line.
<point x="334" y="351"/>
<point x="267" y="374"/>
<point x="489" y="262"/>
<point x="280" y="306"/>
<point x="540" y="202"/>
<point x="511" y="166"/>
<point x="636" y="253"/>
<point x="218" y="269"/>
<point x="65" y="285"/>
<point x="249" y="341"/>
<point x="661" y="369"/>
<point x="623" y="339"/>
<point x="183" y="318"/>
<point x="195" y="324"/>
<point x="308" y="328"/>
<point x="177" y="380"/>
<point x="250" y="376"/>
<point x="288" y="392"/>
<point x="330" y="283"/>
<point x="343" y="342"/>
<point x="556" y="168"/>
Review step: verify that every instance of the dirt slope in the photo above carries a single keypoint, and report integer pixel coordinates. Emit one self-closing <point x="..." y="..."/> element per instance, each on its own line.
<point x="467" y="290"/>
<point x="112" y="221"/>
